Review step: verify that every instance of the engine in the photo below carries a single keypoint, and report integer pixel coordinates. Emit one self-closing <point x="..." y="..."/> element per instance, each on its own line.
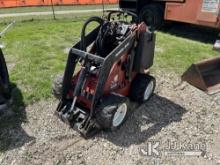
<point x="111" y="34"/>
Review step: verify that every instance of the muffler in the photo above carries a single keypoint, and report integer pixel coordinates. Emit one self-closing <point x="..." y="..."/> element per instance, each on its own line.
<point x="204" y="75"/>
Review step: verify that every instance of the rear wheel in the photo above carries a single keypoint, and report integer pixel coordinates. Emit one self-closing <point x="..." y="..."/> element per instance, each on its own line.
<point x="112" y="111"/>
<point x="152" y="15"/>
<point x="142" y="88"/>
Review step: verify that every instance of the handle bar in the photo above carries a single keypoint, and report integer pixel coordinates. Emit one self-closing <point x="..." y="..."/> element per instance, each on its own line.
<point x="87" y="55"/>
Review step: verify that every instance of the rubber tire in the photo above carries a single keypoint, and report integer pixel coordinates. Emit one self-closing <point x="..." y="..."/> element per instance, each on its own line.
<point x="57" y="86"/>
<point x="138" y="87"/>
<point x="106" y="111"/>
<point x="154" y="11"/>
<point x="5" y="88"/>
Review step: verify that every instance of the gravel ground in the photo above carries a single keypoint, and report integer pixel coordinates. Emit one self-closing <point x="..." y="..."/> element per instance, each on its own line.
<point x="179" y="117"/>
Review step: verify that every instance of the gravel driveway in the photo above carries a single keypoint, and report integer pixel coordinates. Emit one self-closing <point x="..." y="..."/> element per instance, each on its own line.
<point x="178" y="119"/>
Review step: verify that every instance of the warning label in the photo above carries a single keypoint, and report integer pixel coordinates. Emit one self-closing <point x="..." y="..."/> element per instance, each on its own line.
<point x="210" y="6"/>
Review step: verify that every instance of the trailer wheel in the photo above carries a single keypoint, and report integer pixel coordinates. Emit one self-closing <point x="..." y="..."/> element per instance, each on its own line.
<point x="142" y="88"/>
<point x="57" y="86"/>
<point x="5" y="89"/>
<point x="112" y="112"/>
<point x="152" y="15"/>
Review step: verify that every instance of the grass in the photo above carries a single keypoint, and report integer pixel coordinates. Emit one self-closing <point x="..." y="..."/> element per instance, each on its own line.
<point x="177" y="54"/>
<point x="35" y="53"/>
<point x="34" y="18"/>
<point x="72" y="16"/>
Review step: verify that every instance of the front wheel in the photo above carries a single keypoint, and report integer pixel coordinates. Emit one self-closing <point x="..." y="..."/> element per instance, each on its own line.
<point x="112" y="111"/>
<point x="142" y="88"/>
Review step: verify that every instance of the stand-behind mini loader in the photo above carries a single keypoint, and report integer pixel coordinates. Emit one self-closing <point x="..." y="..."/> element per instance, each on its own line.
<point x="114" y="58"/>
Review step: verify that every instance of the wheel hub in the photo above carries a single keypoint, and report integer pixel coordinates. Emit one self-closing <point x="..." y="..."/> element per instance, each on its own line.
<point x="119" y="115"/>
<point x="149" y="90"/>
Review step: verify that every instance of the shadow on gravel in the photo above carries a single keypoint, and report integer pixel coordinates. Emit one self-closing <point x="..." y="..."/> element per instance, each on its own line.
<point x="12" y="134"/>
<point x="193" y="32"/>
<point x="146" y="121"/>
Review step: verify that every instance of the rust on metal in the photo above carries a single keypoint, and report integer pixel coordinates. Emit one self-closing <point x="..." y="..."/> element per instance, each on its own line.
<point x="200" y="12"/>
<point x="204" y="75"/>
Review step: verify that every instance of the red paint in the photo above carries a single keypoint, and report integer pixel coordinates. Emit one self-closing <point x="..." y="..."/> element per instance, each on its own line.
<point x="23" y="3"/>
<point x="192" y="11"/>
<point x="116" y="76"/>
